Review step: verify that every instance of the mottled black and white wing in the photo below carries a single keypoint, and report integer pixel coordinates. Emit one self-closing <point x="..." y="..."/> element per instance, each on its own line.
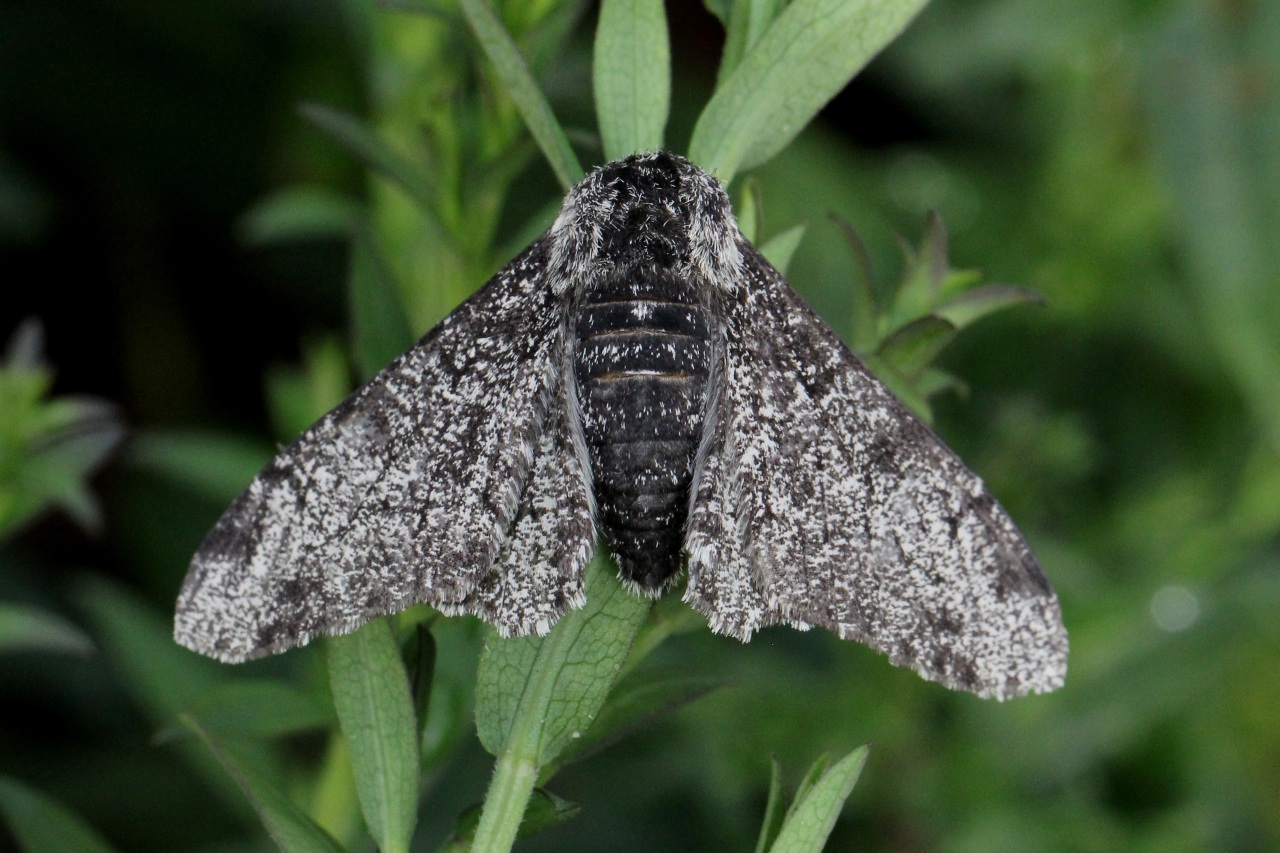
<point x="821" y="500"/>
<point x="453" y="462"/>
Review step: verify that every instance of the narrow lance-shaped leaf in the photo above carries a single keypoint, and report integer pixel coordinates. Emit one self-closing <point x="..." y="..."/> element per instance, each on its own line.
<point x="747" y="21"/>
<point x="25" y="628"/>
<point x="802" y="61"/>
<point x="292" y="830"/>
<point x="969" y="307"/>
<point x="913" y="348"/>
<point x="298" y="213"/>
<point x="256" y="707"/>
<point x="780" y="248"/>
<point x="371" y="696"/>
<point x="374" y="152"/>
<point x="39" y="824"/>
<point x="632" y="69"/>
<point x="379" y="326"/>
<point x="774" y="813"/>
<point x="523" y="89"/>
<point x="817" y="805"/>
<point x="864" y="313"/>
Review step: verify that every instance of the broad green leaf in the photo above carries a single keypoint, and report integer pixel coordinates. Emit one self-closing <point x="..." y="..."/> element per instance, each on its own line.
<point x="212" y="465"/>
<point x="747" y="21"/>
<point x="371" y="149"/>
<point x="975" y="304"/>
<point x="371" y="696"/>
<point x="538" y="693"/>
<point x="864" y="314"/>
<point x="287" y="825"/>
<point x="632" y="69"/>
<point x="260" y="708"/>
<point x="379" y="326"/>
<point x="40" y="824"/>
<point x="779" y="248"/>
<point x="817" y="805"/>
<point x="298" y="213"/>
<point x="640" y="697"/>
<point x="808" y="54"/>
<point x="523" y="89"/>
<point x="25" y="628"/>
<point x="913" y="348"/>
<point x="774" y="813"/>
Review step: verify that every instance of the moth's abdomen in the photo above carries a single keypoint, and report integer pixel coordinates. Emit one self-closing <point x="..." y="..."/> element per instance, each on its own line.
<point x="642" y="352"/>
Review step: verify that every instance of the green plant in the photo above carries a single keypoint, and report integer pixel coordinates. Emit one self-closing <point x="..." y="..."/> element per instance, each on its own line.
<point x="540" y="702"/>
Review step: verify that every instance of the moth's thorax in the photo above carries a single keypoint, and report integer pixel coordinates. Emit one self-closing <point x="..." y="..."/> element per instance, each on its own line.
<point x="642" y="349"/>
<point x="657" y="208"/>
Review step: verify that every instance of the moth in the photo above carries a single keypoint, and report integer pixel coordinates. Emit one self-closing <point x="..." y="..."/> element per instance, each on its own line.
<point x="640" y="371"/>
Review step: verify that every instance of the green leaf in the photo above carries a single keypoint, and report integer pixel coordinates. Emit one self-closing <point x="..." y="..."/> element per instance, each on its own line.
<point x="935" y="381"/>
<point x="25" y="628"/>
<point x="162" y="676"/>
<point x="549" y="689"/>
<point x="817" y="806"/>
<point x="913" y="348"/>
<point x="749" y="208"/>
<point x="779" y="248"/>
<point x="901" y="387"/>
<point x="808" y="54"/>
<point x="773" y="810"/>
<point x="297" y="396"/>
<point x="42" y="825"/>
<point x="298" y="213"/>
<point x="632" y="70"/>
<point x="211" y="465"/>
<point x="287" y="825"/>
<point x="746" y="21"/>
<point x="523" y="89"/>
<point x="640" y="698"/>
<point x="925" y="273"/>
<point x="259" y="707"/>
<point x="420" y="665"/>
<point x="379" y="326"/>
<point x="967" y="308"/>
<point x="863" y="312"/>
<point x="371" y="696"/>
<point x="367" y="146"/>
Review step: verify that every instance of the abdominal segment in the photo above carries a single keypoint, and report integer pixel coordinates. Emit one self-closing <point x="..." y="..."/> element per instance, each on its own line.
<point x="642" y="353"/>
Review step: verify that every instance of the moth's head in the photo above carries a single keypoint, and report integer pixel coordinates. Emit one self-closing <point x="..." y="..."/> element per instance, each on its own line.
<point x="656" y="210"/>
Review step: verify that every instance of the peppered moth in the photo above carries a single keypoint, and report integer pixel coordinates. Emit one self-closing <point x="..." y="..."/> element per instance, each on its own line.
<point x="640" y="370"/>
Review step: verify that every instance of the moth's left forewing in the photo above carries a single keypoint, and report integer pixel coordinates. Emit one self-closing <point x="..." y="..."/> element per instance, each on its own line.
<point x="844" y="510"/>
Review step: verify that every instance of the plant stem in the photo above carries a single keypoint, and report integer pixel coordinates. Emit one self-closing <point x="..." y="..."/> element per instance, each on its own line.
<point x="514" y="776"/>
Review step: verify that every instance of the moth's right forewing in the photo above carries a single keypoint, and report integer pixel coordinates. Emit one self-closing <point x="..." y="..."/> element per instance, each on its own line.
<point x="841" y="509"/>
<point x="402" y="494"/>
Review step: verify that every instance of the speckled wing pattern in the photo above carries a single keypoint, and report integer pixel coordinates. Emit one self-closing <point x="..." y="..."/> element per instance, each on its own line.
<point x="449" y="460"/>
<point x="821" y="500"/>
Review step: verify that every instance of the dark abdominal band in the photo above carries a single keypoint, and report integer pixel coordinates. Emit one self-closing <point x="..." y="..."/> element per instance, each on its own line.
<point x="642" y="352"/>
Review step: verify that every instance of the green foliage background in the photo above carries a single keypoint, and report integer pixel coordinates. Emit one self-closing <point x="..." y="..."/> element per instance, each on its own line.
<point x="1118" y="158"/>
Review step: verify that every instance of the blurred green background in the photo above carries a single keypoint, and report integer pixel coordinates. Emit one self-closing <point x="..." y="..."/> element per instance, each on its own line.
<point x="1121" y="158"/>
